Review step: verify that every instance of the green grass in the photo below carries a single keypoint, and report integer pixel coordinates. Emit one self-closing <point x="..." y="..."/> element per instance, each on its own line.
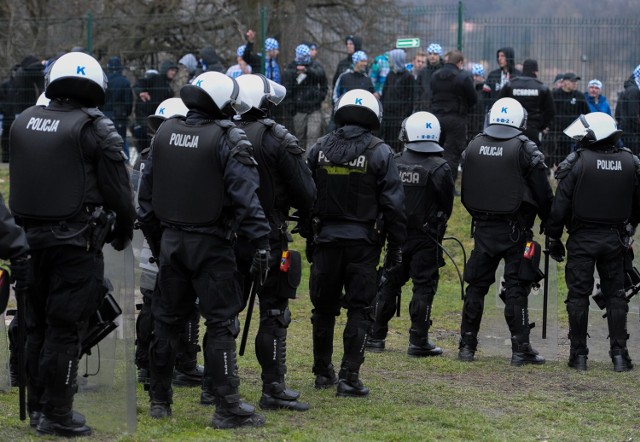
<point x="411" y="399"/>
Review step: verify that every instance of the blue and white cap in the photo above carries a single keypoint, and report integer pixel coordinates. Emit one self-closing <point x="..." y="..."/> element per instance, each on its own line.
<point x="434" y="48"/>
<point x="596" y="83"/>
<point x="478" y="69"/>
<point x="303" y="54"/>
<point x="240" y="50"/>
<point x="271" y="44"/>
<point x="359" y="56"/>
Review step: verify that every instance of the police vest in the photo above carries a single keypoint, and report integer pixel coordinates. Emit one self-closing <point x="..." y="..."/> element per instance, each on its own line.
<point x="47" y="164"/>
<point x="492" y="181"/>
<point x="188" y="185"/>
<point x="415" y="172"/>
<point x="604" y="191"/>
<point x="347" y="191"/>
<point x="255" y="131"/>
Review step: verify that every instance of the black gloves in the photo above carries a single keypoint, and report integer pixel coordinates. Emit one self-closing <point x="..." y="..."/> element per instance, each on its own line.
<point x="20" y="269"/>
<point x="556" y="249"/>
<point x="120" y="242"/>
<point x="260" y="265"/>
<point x="393" y="258"/>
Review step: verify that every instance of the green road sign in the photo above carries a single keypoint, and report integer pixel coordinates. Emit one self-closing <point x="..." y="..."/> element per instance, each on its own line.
<point x="402" y="43"/>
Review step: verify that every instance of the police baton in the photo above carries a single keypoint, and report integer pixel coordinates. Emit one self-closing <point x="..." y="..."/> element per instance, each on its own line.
<point x="247" y="322"/>
<point x="545" y="291"/>
<point x="21" y="299"/>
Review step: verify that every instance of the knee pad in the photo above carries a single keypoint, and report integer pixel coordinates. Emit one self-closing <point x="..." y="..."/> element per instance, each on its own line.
<point x="274" y="321"/>
<point x="223" y="329"/>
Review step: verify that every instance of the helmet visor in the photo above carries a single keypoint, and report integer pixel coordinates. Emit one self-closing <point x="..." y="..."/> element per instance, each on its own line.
<point x="239" y="106"/>
<point x="578" y="129"/>
<point x="277" y="92"/>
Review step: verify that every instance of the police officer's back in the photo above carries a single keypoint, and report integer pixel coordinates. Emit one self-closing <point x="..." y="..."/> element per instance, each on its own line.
<point x="358" y="189"/>
<point x="200" y="184"/>
<point x="285" y="182"/>
<point x="429" y="191"/>
<point x="504" y="187"/>
<point x="598" y="200"/>
<point x="76" y="153"/>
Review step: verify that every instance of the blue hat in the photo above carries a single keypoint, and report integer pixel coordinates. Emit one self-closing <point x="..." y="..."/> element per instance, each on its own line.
<point x="434" y="48"/>
<point x="358" y="56"/>
<point x="303" y="54"/>
<point x="271" y="44"/>
<point x="478" y="69"/>
<point x="240" y="50"/>
<point x="596" y="83"/>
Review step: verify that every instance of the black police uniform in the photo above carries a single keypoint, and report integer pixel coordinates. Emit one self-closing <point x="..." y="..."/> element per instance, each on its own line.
<point x="503" y="188"/>
<point x="535" y="97"/>
<point x="200" y="183"/>
<point x="285" y="182"/>
<point x="453" y="95"/>
<point x="82" y="169"/>
<point x="187" y="373"/>
<point x="429" y="190"/>
<point x="598" y="194"/>
<point x="358" y="183"/>
<point x="569" y="105"/>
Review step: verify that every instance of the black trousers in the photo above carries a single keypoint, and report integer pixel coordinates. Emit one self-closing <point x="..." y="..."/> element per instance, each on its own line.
<point x="453" y="139"/>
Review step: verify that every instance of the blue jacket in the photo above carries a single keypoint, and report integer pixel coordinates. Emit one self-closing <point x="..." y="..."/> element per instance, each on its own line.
<point x="601" y="106"/>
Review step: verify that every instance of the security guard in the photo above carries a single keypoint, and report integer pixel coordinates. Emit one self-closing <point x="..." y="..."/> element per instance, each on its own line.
<point x="82" y="180"/>
<point x="429" y="190"/>
<point x="503" y="188"/>
<point x="200" y="184"/>
<point x="598" y="200"/>
<point x="359" y="190"/>
<point x="285" y="181"/>
<point x="187" y="372"/>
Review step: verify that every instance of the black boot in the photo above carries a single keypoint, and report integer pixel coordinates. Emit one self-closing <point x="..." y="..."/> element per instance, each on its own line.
<point x="423" y="347"/>
<point x="63" y="422"/>
<point x="467" y="347"/>
<point x="277" y="396"/>
<point x="161" y="362"/>
<point x="323" y="327"/>
<point x="325" y="376"/>
<point x="621" y="360"/>
<point x="349" y="384"/>
<point x="231" y="412"/>
<point x="187" y="372"/>
<point x="524" y="353"/>
<point x="375" y="345"/>
<point x="578" y="358"/>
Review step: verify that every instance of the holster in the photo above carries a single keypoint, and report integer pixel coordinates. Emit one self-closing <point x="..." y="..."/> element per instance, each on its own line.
<point x="101" y="223"/>
<point x="101" y="323"/>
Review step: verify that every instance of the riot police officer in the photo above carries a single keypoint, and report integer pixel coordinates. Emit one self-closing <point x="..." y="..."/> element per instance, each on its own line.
<point x="285" y="181"/>
<point x="187" y="372"/>
<point x="82" y="178"/>
<point x="504" y="186"/>
<point x="200" y="184"/>
<point x="359" y="190"/>
<point x="429" y="191"/>
<point x="598" y="200"/>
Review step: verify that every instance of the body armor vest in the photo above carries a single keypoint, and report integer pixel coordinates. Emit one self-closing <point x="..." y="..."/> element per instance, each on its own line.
<point x="255" y="131"/>
<point x="188" y="184"/>
<point x="415" y="172"/>
<point x="604" y="190"/>
<point x="347" y="191"/>
<point x="47" y="164"/>
<point x="492" y="181"/>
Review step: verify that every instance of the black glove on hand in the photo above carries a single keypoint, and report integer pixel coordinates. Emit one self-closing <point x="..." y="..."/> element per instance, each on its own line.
<point x="308" y="250"/>
<point x="556" y="249"/>
<point x="20" y="269"/>
<point x="260" y="265"/>
<point x="393" y="258"/>
<point x="120" y="242"/>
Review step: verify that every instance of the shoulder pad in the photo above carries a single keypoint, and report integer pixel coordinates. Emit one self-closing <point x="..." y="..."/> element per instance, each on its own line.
<point x="93" y="112"/>
<point x="286" y="139"/>
<point x="375" y="141"/>
<point x="225" y="124"/>
<point x="567" y="164"/>
<point x="535" y="156"/>
<point x="268" y="122"/>
<point x="240" y="146"/>
<point x="109" y="139"/>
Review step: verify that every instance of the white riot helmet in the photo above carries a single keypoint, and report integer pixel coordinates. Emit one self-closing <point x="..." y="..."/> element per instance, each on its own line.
<point x="594" y="128"/>
<point x="78" y="76"/>
<point x="43" y="100"/>
<point x="507" y="119"/>
<point x="259" y="92"/>
<point x="359" y="107"/>
<point x="421" y="132"/>
<point x="167" y="109"/>
<point x="215" y="94"/>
